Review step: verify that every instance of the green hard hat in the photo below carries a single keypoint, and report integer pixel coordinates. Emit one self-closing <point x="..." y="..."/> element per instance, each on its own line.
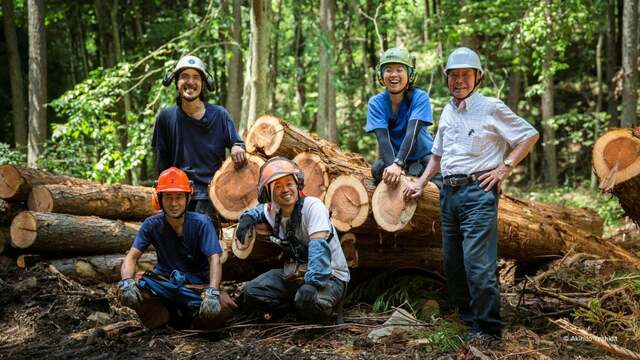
<point x="397" y="56"/>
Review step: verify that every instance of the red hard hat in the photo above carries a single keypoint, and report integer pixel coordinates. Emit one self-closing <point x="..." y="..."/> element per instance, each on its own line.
<point x="173" y="179"/>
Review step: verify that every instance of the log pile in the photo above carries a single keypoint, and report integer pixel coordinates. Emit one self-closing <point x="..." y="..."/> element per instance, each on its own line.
<point x="616" y="162"/>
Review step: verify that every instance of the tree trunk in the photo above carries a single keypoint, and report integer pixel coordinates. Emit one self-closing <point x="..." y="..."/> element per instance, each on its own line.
<point x="327" y="125"/>
<point x="616" y="162"/>
<point x="549" y="133"/>
<point x="62" y="233"/>
<point x="273" y="74"/>
<point x="107" y="201"/>
<point x="260" y="30"/>
<point x="100" y="269"/>
<point x="515" y="84"/>
<point x="628" y="117"/>
<point x="37" y="80"/>
<point x="233" y="190"/>
<point x="300" y="73"/>
<point x="273" y="136"/>
<point x="15" y="77"/>
<point x="16" y="182"/>
<point x="236" y="66"/>
<point x="612" y="62"/>
<point x="105" y="42"/>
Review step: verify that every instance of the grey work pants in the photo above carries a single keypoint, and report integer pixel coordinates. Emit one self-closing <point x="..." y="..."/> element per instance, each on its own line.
<point x="270" y="293"/>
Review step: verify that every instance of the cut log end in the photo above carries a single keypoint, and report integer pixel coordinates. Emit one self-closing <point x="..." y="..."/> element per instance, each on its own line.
<point x="316" y="178"/>
<point x="616" y="157"/>
<point x="24" y="229"/>
<point x="10" y="181"/>
<point x="391" y="211"/>
<point x="621" y="152"/>
<point x="348" y="202"/>
<point x="233" y="190"/>
<point x="265" y="135"/>
<point x="40" y="199"/>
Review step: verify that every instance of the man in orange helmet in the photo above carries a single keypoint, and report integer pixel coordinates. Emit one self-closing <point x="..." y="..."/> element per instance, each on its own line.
<point x="184" y="286"/>
<point x="315" y="274"/>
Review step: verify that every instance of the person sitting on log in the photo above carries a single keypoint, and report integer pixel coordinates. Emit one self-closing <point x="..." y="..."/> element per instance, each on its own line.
<point x="184" y="286"/>
<point x="474" y="134"/>
<point x="315" y="275"/>
<point x="193" y="135"/>
<point x="399" y="117"/>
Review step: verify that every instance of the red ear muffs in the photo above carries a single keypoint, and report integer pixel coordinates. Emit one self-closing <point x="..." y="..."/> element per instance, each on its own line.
<point x="155" y="202"/>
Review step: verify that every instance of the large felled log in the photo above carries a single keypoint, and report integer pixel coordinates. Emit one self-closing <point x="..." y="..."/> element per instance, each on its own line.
<point x="528" y="231"/>
<point x="273" y="136"/>
<point x="16" y="181"/>
<point x="63" y="233"/>
<point x="348" y="200"/>
<point x="101" y="268"/>
<point x="316" y="176"/>
<point x="233" y="190"/>
<point x="108" y="201"/>
<point x="616" y="162"/>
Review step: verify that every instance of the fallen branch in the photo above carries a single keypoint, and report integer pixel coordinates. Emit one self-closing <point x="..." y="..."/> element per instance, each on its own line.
<point x="597" y="340"/>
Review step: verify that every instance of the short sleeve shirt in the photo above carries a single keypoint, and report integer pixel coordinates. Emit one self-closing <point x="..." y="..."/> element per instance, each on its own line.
<point x="380" y="116"/>
<point x="315" y="218"/>
<point x="475" y="135"/>
<point x="188" y="252"/>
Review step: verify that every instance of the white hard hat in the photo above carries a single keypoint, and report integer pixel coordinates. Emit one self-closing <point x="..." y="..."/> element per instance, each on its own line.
<point x="463" y="58"/>
<point x="189" y="62"/>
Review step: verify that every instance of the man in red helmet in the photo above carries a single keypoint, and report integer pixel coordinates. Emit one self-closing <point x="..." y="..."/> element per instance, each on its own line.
<point x="315" y="274"/>
<point x="184" y="286"/>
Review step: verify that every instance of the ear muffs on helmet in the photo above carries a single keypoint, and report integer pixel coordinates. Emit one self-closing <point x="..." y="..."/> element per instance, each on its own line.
<point x="208" y="80"/>
<point x="190" y="62"/>
<point x="264" y="194"/>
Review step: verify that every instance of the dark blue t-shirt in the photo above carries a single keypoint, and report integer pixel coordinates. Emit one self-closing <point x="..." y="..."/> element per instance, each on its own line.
<point x="195" y="146"/>
<point x="188" y="253"/>
<point x="379" y="113"/>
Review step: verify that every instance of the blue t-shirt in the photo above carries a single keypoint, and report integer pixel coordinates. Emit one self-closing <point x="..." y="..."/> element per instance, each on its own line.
<point x="195" y="146"/>
<point x="188" y="253"/>
<point x="379" y="113"/>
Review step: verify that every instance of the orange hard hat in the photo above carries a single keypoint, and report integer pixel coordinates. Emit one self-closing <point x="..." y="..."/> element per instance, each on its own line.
<point x="173" y="179"/>
<point x="275" y="169"/>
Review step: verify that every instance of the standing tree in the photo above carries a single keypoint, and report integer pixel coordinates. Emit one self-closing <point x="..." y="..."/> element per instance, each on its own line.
<point x="612" y="63"/>
<point x="15" y="77"/>
<point x="37" y="80"/>
<point x="259" y="60"/>
<point x="327" y="126"/>
<point x="629" y="63"/>
<point x="235" y="63"/>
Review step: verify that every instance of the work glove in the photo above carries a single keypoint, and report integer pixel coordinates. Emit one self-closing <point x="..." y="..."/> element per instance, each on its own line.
<point x="307" y="294"/>
<point x="248" y="219"/>
<point x="210" y="306"/>
<point x="129" y="293"/>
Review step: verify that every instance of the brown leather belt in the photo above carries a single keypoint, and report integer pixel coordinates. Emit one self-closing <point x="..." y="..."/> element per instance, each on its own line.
<point x="457" y="180"/>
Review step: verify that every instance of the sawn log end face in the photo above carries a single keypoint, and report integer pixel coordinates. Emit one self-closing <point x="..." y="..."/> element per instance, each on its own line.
<point x="11" y="182"/>
<point x="233" y="190"/>
<point x="265" y="135"/>
<point x="24" y="230"/>
<point x="390" y="210"/>
<point x="348" y="202"/>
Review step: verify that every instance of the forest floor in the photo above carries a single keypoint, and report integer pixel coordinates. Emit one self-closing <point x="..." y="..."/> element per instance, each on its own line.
<point x="46" y="315"/>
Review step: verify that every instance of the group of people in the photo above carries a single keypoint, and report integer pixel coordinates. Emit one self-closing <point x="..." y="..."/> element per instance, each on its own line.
<point x="478" y="141"/>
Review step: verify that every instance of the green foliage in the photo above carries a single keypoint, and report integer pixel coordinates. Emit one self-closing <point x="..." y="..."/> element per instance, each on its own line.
<point x="11" y="156"/>
<point x="443" y="335"/>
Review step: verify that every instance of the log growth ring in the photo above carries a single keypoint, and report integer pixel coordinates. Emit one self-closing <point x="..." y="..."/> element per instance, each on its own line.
<point x="24" y="230"/>
<point x="316" y="177"/>
<point x="617" y="150"/>
<point x="390" y="210"/>
<point x="10" y="181"/>
<point x="265" y="135"/>
<point x="348" y="202"/>
<point x="233" y="190"/>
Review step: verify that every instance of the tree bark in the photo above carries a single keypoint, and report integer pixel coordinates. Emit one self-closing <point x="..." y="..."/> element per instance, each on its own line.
<point x="628" y="117"/>
<point x="16" y="182"/>
<point x="612" y="62"/>
<point x="15" y="77"/>
<point x="260" y="30"/>
<point x="327" y="124"/>
<point x="101" y="268"/>
<point x="515" y="85"/>
<point x="300" y="73"/>
<point x="108" y="201"/>
<point x="274" y="55"/>
<point x="233" y="190"/>
<point x="549" y="132"/>
<point x="62" y="233"/>
<point x="37" y="80"/>
<point x="235" y="66"/>
<point x="616" y="162"/>
<point x="105" y="42"/>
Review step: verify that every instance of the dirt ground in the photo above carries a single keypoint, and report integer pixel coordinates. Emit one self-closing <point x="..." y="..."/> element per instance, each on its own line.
<point x="46" y="315"/>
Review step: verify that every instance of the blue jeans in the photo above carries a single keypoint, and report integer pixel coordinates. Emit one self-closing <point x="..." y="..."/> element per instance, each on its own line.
<point x="469" y="217"/>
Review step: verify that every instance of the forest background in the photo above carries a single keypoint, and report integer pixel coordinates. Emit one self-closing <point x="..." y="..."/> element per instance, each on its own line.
<point x="81" y="80"/>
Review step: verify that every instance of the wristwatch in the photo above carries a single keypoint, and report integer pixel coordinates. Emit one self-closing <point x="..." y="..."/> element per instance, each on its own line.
<point x="507" y="162"/>
<point x="399" y="163"/>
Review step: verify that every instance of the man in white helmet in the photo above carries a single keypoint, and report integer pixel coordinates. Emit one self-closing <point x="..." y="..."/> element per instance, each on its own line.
<point x="475" y="133"/>
<point x="194" y="135"/>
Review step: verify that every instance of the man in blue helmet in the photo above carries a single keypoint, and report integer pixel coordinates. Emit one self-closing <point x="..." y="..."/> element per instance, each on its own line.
<point x="194" y="135"/>
<point x="475" y="133"/>
<point x="399" y="117"/>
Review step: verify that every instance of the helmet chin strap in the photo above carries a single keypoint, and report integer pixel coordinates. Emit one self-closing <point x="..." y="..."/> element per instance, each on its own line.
<point x="476" y="82"/>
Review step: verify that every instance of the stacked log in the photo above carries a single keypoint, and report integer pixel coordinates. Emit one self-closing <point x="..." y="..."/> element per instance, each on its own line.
<point x="616" y="162"/>
<point x="16" y="182"/>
